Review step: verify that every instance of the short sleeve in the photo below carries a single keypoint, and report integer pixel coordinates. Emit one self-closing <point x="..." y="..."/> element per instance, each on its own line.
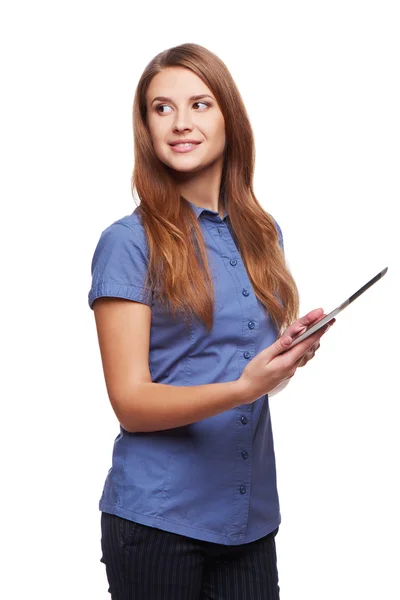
<point x="119" y="265"/>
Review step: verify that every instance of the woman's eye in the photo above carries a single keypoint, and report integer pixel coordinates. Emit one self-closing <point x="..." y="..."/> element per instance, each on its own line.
<point x="160" y="106"/>
<point x="205" y="103"/>
<point x="166" y="105"/>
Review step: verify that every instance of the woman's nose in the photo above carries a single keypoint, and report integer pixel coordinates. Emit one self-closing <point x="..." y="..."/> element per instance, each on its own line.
<point x="183" y="120"/>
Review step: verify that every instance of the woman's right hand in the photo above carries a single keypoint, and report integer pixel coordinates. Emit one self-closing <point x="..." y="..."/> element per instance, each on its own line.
<point x="274" y="364"/>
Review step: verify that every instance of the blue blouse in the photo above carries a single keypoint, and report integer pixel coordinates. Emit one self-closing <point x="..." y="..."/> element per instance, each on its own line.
<point x="215" y="479"/>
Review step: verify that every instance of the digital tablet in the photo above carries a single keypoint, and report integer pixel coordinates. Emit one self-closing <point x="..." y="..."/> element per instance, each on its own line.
<point x="337" y="310"/>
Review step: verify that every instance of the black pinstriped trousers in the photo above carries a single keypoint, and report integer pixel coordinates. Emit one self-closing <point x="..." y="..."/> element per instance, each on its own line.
<point x="145" y="563"/>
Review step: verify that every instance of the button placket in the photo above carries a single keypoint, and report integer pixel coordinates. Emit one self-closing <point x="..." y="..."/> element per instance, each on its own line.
<point x="251" y="324"/>
<point x="244" y="454"/>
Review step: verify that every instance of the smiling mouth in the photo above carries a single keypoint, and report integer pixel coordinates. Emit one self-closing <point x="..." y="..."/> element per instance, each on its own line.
<point x="185" y="144"/>
<point x="186" y="147"/>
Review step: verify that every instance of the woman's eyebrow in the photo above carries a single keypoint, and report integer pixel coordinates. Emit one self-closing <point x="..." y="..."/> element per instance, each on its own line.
<point x="166" y="99"/>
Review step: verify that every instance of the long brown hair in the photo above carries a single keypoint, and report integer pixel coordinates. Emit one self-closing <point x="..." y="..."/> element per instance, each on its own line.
<point x="178" y="270"/>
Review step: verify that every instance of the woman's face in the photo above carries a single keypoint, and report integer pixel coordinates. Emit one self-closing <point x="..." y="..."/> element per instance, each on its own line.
<point x="176" y="116"/>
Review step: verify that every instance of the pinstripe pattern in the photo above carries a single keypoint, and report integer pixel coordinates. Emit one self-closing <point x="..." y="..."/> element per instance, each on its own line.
<point x="145" y="563"/>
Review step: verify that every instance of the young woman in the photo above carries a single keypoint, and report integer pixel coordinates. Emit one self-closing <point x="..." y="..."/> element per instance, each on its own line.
<point x="190" y="293"/>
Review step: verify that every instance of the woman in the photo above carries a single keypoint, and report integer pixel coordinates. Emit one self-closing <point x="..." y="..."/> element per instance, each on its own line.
<point x="190" y="293"/>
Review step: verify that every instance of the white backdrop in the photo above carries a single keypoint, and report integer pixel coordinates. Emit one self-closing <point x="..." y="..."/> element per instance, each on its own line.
<point x="321" y="84"/>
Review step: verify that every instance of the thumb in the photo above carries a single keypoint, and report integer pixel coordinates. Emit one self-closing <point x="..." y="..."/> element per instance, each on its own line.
<point x="279" y="346"/>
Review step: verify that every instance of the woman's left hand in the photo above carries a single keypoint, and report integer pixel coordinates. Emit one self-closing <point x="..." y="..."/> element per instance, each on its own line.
<point x="300" y="326"/>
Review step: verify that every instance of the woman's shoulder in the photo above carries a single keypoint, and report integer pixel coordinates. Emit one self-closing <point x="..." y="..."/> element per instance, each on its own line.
<point x="122" y="236"/>
<point x="126" y="229"/>
<point x="132" y="221"/>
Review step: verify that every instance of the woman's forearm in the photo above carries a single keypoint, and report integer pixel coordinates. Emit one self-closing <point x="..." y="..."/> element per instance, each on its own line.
<point x="158" y="406"/>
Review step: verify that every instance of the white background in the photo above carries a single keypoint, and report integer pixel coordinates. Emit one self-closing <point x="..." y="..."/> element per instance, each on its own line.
<point x="320" y="81"/>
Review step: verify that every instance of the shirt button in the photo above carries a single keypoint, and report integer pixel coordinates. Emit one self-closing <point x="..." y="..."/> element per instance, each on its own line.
<point x="242" y="489"/>
<point x="247" y="354"/>
<point x="245" y="292"/>
<point x="233" y="262"/>
<point x="244" y="420"/>
<point x="245" y="454"/>
<point x="251" y="324"/>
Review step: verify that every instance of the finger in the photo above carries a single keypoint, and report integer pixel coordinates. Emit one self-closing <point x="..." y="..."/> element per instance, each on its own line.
<point x="314" y="315"/>
<point x="301" y="325"/>
<point x="310" y="353"/>
<point x="301" y="362"/>
<point x="293" y="354"/>
<point x="280" y="346"/>
<point x="304" y="359"/>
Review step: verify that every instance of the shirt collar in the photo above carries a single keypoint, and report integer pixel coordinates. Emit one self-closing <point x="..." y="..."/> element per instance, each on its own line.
<point x="198" y="210"/>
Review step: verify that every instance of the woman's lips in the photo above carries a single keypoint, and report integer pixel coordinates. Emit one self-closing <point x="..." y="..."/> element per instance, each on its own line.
<point x="184" y="147"/>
